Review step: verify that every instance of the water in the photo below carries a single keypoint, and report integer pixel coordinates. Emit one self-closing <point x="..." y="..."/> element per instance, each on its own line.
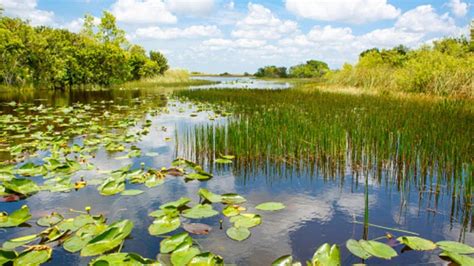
<point x="318" y="209"/>
<point x="240" y="83"/>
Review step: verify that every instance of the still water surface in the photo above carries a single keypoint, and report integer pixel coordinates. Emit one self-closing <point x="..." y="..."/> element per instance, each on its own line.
<point x="318" y="209"/>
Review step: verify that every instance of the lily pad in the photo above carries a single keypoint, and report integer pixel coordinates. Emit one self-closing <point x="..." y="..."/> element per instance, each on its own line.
<point x="131" y="192"/>
<point x="50" y="220"/>
<point x="111" y="186"/>
<point x="19" y="241"/>
<point x="246" y="220"/>
<point x="109" y="239"/>
<point x="129" y="259"/>
<point x="209" y="196"/>
<point x="177" y="204"/>
<point x="417" y="243"/>
<point x="34" y="255"/>
<point x="355" y="248"/>
<point x="270" y="206"/>
<point x="232" y="198"/>
<point x="7" y="256"/>
<point x="207" y="258"/>
<point x="223" y="161"/>
<point x="21" y="186"/>
<point x="163" y="225"/>
<point x="15" y="218"/>
<point x="458" y="258"/>
<point x="169" y="244"/>
<point x="378" y="249"/>
<point x="231" y="210"/>
<point x="327" y="255"/>
<point x="197" y="228"/>
<point x="286" y="260"/>
<point x="200" y="211"/>
<point x="455" y="247"/>
<point x="183" y="254"/>
<point x="238" y="233"/>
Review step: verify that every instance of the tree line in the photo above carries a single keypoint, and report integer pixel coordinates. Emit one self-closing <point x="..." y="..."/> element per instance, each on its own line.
<point x="48" y="57"/>
<point x="310" y="69"/>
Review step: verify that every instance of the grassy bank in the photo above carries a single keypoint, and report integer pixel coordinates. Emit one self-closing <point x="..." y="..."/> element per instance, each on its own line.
<point x="171" y="78"/>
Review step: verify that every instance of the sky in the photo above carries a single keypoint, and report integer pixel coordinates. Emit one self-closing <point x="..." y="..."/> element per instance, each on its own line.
<point x="237" y="36"/>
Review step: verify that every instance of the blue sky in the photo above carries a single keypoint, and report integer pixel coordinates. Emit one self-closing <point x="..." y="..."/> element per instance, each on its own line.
<point x="236" y="36"/>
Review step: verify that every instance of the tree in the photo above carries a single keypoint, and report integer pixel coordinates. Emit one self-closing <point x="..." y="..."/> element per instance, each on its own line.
<point x="312" y="69"/>
<point x="109" y="32"/>
<point x="272" y="72"/>
<point x="160" y="60"/>
<point x="88" y="27"/>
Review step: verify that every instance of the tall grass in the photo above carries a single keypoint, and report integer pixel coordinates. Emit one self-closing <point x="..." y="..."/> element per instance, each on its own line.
<point x="171" y="78"/>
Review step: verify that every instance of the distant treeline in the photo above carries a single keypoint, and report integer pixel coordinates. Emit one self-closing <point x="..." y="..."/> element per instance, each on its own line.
<point x="57" y="58"/>
<point x="446" y="67"/>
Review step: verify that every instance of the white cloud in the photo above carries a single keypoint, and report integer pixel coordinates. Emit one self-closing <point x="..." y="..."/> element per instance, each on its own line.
<point x="355" y="11"/>
<point x="190" y="7"/>
<point x="390" y="37"/>
<point x="196" y="31"/>
<point x="425" y="19"/>
<point x="142" y="11"/>
<point x="458" y="8"/>
<point x="330" y="35"/>
<point x="76" y="25"/>
<point x="260" y="23"/>
<point x="27" y="9"/>
<point x="230" y="44"/>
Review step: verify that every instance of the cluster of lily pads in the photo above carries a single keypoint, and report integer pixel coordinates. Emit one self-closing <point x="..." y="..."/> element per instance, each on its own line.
<point x="328" y="254"/>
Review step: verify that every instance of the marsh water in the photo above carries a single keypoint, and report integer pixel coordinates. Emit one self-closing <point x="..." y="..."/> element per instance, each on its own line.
<point x="320" y="206"/>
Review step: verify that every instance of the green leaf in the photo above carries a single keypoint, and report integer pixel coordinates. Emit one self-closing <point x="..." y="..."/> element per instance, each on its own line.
<point x="50" y="220"/>
<point x="109" y="239"/>
<point x="111" y="186"/>
<point x="169" y="244"/>
<point x="355" y="248"/>
<point x="30" y="169"/>
<point x="223" y="161"/>
<point x="34" y="256"/>
<point x="327" y="255"/>
<point x="198" y="176"/>
<point x="286" y="260"/>
<point x="7" y="256"/>
<point x="231" y="210"/>
<point x="177" y="204"/>
<point x="458" y="258"/>
<point x="22" y="186"/>
<point x="246" y="220"/>
<point x="378" y="249"/>
<point x="131" y="192"/>
<point x="206" y="259"/>
<point x="83" y="236"/>
<point x="228" y="157"/>
<point x="209" y="196"/>
<point x="164" y="224"/>
<point x="270" y="206"/>
<point x="238" y="233"/>
<point x="200" y="211"/>
<point x="19" y="241"/>
<point x="455" y="247"/>
<point x="183" y="254"/>
<point x="232" y="198"/>
<point x="417" y="243"/>
<point x="128" y="259"/>
<point x="15" y="218"/>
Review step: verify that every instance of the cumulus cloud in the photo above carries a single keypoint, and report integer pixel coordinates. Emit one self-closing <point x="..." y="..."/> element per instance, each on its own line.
<point x="425" y="19"/>
<point x="27" y="9"/>
<point x="355" y="11"/>
<point x="390" y="37"/>
<point x="193" y="8"/>
<point x="196" y="31"/>
<point x="260" y="23"/>
<point x="142" y="11"/>
<point x="76" y="25"/>
<point x="458" y="8"/>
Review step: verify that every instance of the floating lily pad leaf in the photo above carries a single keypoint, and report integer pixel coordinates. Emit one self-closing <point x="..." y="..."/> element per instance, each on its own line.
<point x="183" y="254"/>
<point x="458" y="258"/>
<point x="15" y="218"/>
<point x="231" y="210"/>
<point x="223" y="161"/>
<point x="151" y="154"/>
<point x="31" y="169"/>
<point x="34" y="255"/>
<point x="7" y="256"/>
<point x="198" y="176"/>
<point x="83" y="236"/>
<point x="153" y="181"/>
<point x="52" y="234"/>
<point x="163" y="225"/>
<point x="232" y="198"/>
<point x="378" y="249"/>
<point x="200" y="211"/>
<point x="19" y="241"/>
<point x="286" y="260"/>
<point x="455" y="247"/>
<point x="174" y="171"/>
<point x="228" y="157"/>
<point x="129" y="259"/>
<point x="131" y="192"/>
<point x="197" y="228"/>
<point x="169" y="244"/>
<point x="78" y="222"/>
<point x="177" y="203"/>
<point x="50" y="220"/>
<point x="209" y="196"/>
<point x="109" y="239"/>
<point x="22" y="186"/>
<point x="327" y="255"/>
<point x="207" y="258"/>
<point x="246" y="220"/>
<point x="270" y="206"/>
<point x="417" y="243"/>
<point x="355" y="248"/>
<point x="181" y="162"/>
<point x="238" y="233"/>
<point x="111" y="187"/>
